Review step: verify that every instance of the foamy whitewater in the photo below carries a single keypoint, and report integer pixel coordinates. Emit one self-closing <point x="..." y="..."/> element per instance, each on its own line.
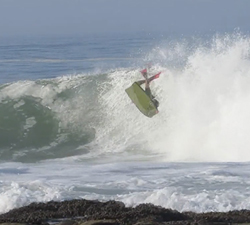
<point x="77" y="135"/>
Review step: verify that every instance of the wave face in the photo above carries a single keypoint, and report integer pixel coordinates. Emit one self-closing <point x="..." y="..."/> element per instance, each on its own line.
<point x="204" y="108"/>
<point x="47" y="118"/>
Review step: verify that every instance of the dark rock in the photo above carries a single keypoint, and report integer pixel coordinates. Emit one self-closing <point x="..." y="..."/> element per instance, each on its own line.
<point x="100" y="222"/>
<point x="86" y="212"/>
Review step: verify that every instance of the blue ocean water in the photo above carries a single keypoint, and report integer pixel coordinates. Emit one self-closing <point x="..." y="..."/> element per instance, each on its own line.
<point x="48" y="57"/>
<point x="68" y="129"/>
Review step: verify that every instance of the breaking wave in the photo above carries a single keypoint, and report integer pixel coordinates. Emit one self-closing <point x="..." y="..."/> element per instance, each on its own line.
<point x="204" y="99"/>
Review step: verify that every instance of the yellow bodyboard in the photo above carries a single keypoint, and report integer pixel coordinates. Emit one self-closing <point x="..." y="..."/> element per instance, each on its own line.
<point x="141" y="100"/>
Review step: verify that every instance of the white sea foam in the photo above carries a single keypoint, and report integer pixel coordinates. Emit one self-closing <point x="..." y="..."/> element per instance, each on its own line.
<point x="17" y="194"/>
<point x="204" y="201"/>
<point x="181" y="186"/>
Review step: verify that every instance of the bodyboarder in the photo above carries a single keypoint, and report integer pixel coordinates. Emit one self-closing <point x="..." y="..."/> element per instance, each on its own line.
<point x="147" y="88"/>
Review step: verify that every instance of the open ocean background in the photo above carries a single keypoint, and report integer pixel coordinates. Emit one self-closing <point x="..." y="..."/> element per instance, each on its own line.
<point x="68" y="130"/>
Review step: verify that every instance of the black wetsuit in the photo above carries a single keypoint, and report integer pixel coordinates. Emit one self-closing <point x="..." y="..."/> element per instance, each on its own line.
<point x="149" y="94"/>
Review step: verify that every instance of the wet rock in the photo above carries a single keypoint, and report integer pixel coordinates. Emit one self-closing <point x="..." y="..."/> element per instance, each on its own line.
<point x="13" y="224"/>
<point x="86" y="212"/>
<point x="39" y="213"/>
<point x="100" y="222"/>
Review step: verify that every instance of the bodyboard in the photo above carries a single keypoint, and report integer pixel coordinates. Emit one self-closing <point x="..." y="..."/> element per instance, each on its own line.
<point x="141" y="100"/>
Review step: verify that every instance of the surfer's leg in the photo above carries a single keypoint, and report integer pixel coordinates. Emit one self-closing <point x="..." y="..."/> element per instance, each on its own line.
<point x="145" y="75"/>
<point x="146" y="84"/>
<point x="147" y="89"/>
<point x="154" y="77"/>
<point x="148" y="92"/>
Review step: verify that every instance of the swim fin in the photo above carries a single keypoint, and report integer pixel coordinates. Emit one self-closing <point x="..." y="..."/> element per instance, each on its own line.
<point x="154" y="77"/>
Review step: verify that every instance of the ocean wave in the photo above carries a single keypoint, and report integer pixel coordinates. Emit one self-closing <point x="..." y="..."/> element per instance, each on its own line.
<point x="204" y="109"/>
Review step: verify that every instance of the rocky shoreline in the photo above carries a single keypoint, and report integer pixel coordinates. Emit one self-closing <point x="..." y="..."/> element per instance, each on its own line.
<point x="87" y="212"/>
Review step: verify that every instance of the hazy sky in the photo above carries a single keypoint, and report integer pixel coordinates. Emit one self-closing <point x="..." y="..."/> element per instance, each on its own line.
<point x="78" y="17"/>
